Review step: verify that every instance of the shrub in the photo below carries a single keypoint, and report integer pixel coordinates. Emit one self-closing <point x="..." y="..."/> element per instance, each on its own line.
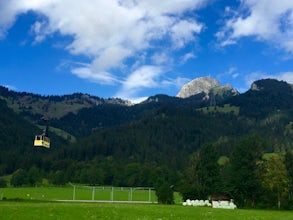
<point x="165" y="194"/>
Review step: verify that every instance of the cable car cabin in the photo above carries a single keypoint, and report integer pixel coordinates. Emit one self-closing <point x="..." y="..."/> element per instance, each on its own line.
<point x="42" y="141"/>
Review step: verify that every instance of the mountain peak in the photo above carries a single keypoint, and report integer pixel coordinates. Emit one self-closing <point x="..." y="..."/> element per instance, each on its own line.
<point x="197" y="86"/>
<point x="205" y="85"/>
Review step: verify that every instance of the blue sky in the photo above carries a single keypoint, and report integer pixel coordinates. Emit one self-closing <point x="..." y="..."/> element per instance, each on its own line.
<point x="134" y="49"/>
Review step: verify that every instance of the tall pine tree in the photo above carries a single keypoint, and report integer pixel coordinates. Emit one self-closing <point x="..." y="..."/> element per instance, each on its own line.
<point x="202" y="176"/>
<point x="245" y="183"/>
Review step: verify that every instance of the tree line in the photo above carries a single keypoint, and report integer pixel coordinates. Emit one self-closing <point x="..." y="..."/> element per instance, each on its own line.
<point x="250" y="176"/>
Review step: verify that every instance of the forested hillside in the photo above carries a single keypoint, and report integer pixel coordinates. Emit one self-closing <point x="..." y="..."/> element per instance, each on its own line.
<point x="266" y="97"/>
<point x="193" y="144"/>
<point x="16" y="142"/>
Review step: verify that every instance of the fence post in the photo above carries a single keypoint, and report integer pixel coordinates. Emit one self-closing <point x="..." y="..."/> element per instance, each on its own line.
<point x="150" y="195"/>
<point x="73" y="196"/>
<point x="112" y="194"/>
<point x="93" y="193"/>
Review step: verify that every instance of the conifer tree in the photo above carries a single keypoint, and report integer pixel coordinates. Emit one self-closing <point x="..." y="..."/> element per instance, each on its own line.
<point x="245" y="183"/>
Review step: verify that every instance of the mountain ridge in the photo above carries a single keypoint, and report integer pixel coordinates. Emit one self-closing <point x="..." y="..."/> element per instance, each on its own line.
<point x="200" y="92"/>
<point x="46" y="105"/>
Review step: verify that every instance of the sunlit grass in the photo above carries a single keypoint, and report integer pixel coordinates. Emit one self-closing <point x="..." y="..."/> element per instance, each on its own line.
<point x="36" y="203"/>
<point x="53" y="210"/>
<point x="80" y="193"/>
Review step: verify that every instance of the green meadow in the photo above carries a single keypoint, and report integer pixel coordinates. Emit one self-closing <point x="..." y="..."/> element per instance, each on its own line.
<point x="80" y="193"/>
<point x="59" y="210"/>
<point x="40" y="203"/>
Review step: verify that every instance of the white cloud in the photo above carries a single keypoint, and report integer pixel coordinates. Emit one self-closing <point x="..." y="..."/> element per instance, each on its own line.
<point x="178" y="82"/>
<point x="112" y="33"/>
<point x="12" y="8"/>
<point x="40" y="30"/>
<point x="187" y="57"/>
<point x="287" y="76"/>
<point x="97" y="77"/>
<point x="143" y="77"/>
<point x="266" y="21"/>
<point x="147" y="77"/>
<point x="9" y="10"/>
<point x="161" y="58"/>
<point x="232" y="72"/>
<point x="183" y="32"/>
<point x="111" y="57"/>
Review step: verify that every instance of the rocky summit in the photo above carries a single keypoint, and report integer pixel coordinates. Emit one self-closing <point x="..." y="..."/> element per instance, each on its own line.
<point x="202" y="85"/>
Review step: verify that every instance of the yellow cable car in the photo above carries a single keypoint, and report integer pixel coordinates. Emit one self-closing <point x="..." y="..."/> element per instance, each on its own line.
<point x="42" y="140"/>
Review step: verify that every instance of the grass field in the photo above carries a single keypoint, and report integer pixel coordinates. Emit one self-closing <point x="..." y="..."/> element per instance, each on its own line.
<point x="80" y="193"/>
<point x="36" y="203"/>
<point x="27" y="210"/>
